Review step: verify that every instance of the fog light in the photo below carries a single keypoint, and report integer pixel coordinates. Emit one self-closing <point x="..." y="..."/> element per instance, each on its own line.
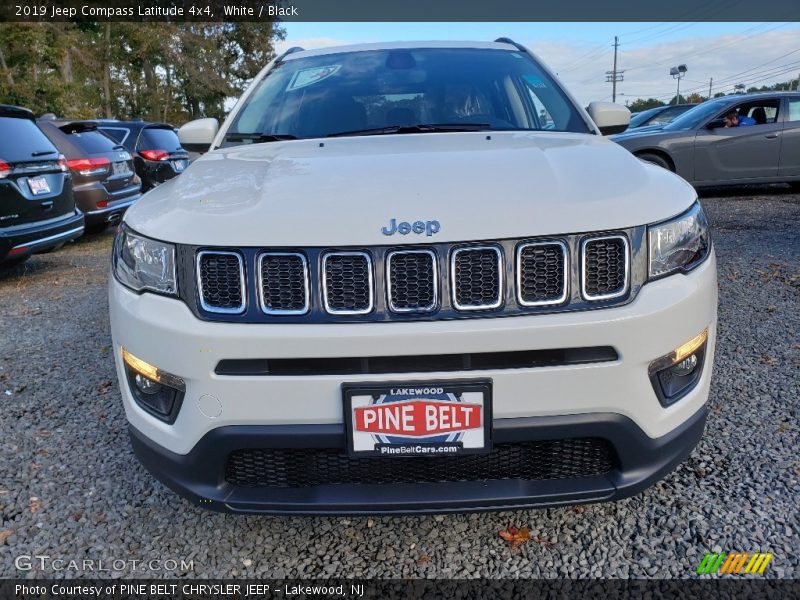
<point x="675" y="374"/>
<point x="686" y="366"/>
<point x="146" y="386"/>
<point x="155" y="391"/>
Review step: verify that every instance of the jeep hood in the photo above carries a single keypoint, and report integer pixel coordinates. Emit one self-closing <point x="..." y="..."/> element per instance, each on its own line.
<point x="343" y="191"/>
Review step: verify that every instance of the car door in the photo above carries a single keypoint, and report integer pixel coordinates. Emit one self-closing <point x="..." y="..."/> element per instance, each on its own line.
<point x="744" y="153"/>
<point x="790" y="144"/>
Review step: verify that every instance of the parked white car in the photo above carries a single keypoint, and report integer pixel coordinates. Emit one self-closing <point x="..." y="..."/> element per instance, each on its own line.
<point x="413" y="277"/>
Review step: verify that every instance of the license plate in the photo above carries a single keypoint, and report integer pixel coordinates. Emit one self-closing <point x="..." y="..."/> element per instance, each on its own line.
<point x="38" y="185"/>
<point x="179" y="165"/>
<point x="427" y="418"/>
<point x="120" y="168"/>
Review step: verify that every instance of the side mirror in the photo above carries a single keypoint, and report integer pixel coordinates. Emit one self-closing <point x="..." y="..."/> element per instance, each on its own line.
<point x="715" y="124"/>
<point x="197" y="135"/>
<point x="609" y="117"/>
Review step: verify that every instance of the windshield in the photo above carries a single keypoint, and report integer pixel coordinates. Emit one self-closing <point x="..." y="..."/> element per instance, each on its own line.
<point x="21" y="140"/>
<point x="641" y="117"/>
<point x="330" y="94"/>
<point x="696" y="116"/>
<point x="158" y="138"/>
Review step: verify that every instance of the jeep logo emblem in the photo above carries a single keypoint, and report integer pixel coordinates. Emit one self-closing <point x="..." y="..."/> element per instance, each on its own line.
<point x="418" y="227"/>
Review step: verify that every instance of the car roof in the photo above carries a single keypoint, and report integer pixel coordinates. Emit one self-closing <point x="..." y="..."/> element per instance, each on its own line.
<point x="756" y="95"/>
<point x="398" y="46"/>
<point x="16" y="112"/>
<point x="132" y="124"/>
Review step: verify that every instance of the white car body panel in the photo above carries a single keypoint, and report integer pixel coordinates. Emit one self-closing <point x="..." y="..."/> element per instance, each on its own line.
<point x="290" y="193"/>
<point x="664" y="315"/>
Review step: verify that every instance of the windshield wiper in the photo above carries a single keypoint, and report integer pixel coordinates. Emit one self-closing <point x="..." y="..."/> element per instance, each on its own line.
<point x="421" y="128"/>
<point x="43" y="152"/>
<point x="259" y="137"/>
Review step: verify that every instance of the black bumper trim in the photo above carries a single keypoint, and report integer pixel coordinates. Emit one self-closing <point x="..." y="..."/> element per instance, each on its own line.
<point x="41" y="237"/>
<point x="641" y="461"/>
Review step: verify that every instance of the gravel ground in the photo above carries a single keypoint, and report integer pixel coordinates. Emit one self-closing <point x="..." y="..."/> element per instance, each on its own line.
<point x="71" y="488"/>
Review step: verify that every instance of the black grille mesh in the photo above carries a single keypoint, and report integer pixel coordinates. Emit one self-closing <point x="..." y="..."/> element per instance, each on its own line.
<point x="477" y="277"/>
<point x="283" y="282"/>
<point x="308" y="467"/>
<point x="347" y="282"/>
<point x="221" y="281"/>
<point x="412" y="280"/>
<point x="541" y="274"/>
<point x="605" y="266"/>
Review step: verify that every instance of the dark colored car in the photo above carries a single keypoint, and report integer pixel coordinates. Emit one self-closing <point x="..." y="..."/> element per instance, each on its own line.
<point x="103" y="176"/>
<point x="37" y="209"/>
<point x="156" y="150"/>
<point x="660" y="115"/>
<point x="700" y="148"/>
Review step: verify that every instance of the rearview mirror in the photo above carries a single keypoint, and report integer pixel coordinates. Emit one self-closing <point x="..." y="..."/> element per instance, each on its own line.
<point x="609" y="117"/>
<point x="197" y="135"/>
<point x="715" y="124"/>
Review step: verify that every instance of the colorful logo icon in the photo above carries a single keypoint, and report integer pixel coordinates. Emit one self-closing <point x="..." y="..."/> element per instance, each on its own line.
<point x="734" y="563"/>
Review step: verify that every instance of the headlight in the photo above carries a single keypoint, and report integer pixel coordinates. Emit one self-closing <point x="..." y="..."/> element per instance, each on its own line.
<point x="143" y="264"/>
<point x="679" y="244"/>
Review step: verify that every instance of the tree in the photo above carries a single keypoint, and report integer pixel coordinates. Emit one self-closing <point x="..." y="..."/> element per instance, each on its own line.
<point x="639" y="104"/>
<point x="156" y="71"/>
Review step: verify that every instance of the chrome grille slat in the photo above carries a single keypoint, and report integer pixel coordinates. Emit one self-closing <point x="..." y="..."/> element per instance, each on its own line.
<point x="412" y="282"/>
<point x="605" y="267"/>
<point x="347" y="283"/>
<point x="477" y="277"/>
<point x="221" y="281"/>
<point x="542" y="271"/>
<point x="430" y="281"/>
<point x="283" y="283"/>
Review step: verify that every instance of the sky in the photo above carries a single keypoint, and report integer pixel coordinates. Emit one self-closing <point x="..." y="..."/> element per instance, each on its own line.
<point x="581" y="53"/>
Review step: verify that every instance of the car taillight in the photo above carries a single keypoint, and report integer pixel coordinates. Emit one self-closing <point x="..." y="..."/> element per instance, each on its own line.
<point x="5" y="168"/>
<point x="154" y="154"/>
<point x="89" y="166"/>
<point x="62" y="163"/>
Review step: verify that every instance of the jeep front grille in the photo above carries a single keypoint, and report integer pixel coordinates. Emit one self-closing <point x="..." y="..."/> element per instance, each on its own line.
<point x="434" y="281"/>
<point x="412" y="280"/>
<point x="477" y="278"/>
<point x="220" y="279"/>
<point x="347" y="285"/>
<point x="283" y="283"/>
<point x="605" y="267"/>
<point x="526" y="461"/>
<point x="542" y="273"/>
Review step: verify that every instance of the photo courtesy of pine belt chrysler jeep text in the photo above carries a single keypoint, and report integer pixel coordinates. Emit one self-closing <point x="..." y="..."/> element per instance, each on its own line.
<point x="413" y="277"/>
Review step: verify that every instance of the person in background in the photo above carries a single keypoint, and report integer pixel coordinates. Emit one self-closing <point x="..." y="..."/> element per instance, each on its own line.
<point x="733" y="119"/>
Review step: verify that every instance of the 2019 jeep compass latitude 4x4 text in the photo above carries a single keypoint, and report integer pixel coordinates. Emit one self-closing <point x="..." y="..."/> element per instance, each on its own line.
<point x="413" y="277"/>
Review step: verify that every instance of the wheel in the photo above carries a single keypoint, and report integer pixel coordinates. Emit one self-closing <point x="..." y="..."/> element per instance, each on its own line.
<point x="13" y="262"/>
<point x="656" y="159"/>
<point x="794" y="186"/>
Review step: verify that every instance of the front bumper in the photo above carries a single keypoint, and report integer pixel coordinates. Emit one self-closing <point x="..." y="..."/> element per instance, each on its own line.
<point x="40" y="237"/>
<point x="640" y="462"/>
<point x="613" y="400"/>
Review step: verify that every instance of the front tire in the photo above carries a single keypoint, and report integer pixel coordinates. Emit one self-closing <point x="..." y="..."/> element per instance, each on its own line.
<point x="655" y="159"/>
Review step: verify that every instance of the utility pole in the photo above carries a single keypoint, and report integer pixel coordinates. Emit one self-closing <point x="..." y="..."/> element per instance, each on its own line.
<point x="710" y="82"/>
<point x="614" y="75"/>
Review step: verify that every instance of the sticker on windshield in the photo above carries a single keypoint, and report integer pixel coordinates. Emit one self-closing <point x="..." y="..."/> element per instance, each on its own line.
<point x="534" y="81"/>
<point x="306" y="77"/>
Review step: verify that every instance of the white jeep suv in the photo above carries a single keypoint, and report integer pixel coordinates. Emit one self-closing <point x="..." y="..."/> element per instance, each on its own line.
<point x="413" y="277"/>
